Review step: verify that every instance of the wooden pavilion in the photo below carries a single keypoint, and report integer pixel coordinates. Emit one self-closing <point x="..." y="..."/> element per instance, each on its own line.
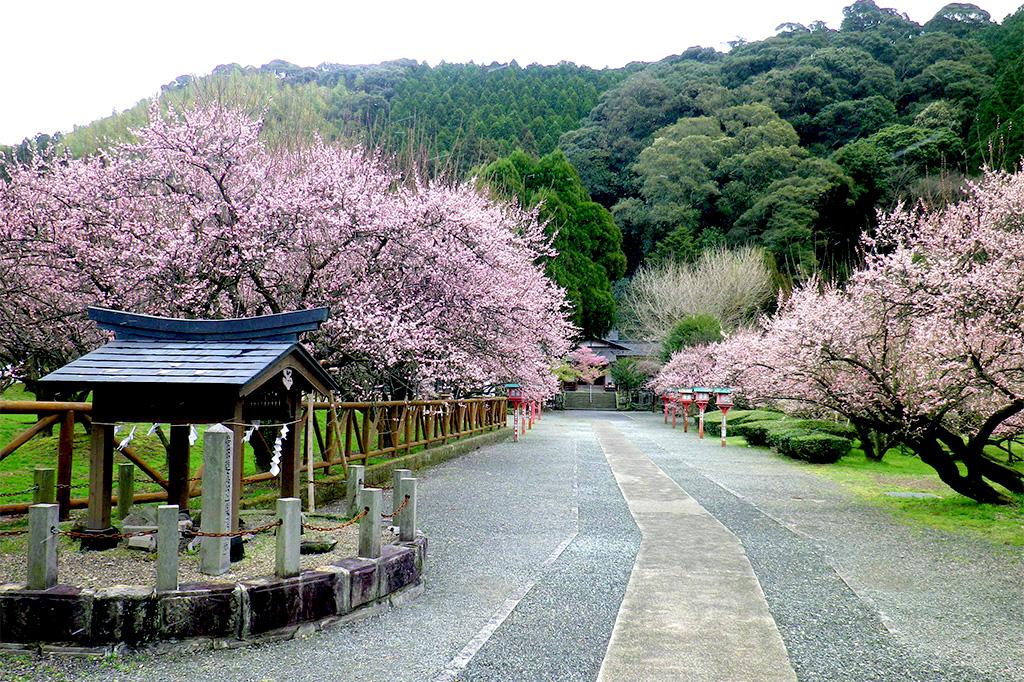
<point x="183" y="372"/>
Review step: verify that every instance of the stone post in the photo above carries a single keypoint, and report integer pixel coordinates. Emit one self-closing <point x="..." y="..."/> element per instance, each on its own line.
<point x="396" y="498"/>
<point x="218" y="465"/>
<point x="353" y="484"/>
<point x="167" y="539"/>
<point x="407" y="519"/>
<point x="42" y="546"/>
<point x="46" y="486"/>
<point x="369" y="525"/>
<point x="289" y="536"/>
<point x="125" y="489"/>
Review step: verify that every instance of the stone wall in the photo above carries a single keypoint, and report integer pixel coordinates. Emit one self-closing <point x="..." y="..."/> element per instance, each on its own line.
<point x="74" y="620"/>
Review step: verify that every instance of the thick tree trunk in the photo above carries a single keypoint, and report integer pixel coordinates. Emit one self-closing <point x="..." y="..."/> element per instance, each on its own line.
<point x="971" y="485"/>
<point x="874" y="443"/>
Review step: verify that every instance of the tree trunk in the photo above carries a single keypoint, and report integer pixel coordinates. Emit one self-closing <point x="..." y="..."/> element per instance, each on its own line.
<point x="971" y="485"/>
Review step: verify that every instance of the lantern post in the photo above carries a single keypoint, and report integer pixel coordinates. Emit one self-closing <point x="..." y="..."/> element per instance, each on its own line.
<point x="666" y="400"/>
<point x="701" y="396"/>
<point x="515" y="397"/>
<point x="723" y="399"/>
<point x="686" y="398"/>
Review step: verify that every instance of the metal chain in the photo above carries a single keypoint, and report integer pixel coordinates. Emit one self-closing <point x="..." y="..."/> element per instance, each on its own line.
<point x="397" y="511"/>
<point x="331" y="529"/>
<point x="20" y="492"/>
<point x="12" y="533"/>
<point x="101" y="536"/>
<point x="233" y="533"/>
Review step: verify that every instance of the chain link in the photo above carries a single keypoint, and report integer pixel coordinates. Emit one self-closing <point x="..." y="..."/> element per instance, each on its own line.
<point x="331" y="529"/>
<point x="12" y="533"/>
<point x="20" y="492"/>
<point x="232" y="533"/>
<point x="397" y="511"/>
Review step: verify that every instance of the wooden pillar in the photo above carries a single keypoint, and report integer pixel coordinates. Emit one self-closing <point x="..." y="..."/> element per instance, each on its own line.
<point x="291" y="452"/>
<point x="238" y="454"/>
<point x="101" y="477"/>
<point x="178" y="452"/>
<point x="65" y="447"/>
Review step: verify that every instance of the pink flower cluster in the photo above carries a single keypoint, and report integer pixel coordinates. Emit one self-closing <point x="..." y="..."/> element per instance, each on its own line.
<point x="199" y="218"/>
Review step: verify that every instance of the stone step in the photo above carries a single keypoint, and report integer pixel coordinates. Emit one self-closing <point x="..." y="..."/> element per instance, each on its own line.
<point x="583" y="400"/>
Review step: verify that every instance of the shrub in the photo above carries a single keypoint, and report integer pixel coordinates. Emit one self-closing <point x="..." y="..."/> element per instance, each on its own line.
<point x="756" y="432"/>
<point x="824" y="426"/>
<point x="742" y="416"/>
<point x="818" y="448"/>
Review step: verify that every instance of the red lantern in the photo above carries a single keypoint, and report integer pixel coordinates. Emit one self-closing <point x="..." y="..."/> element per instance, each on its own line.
<point x="686" y="398"/>
<point x="702" y="396"/>
<point x="516" y="398"/>
<point x="723" y="399"/>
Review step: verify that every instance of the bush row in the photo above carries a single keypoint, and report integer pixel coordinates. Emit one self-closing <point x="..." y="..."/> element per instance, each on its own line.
<point x="813" y="440"/>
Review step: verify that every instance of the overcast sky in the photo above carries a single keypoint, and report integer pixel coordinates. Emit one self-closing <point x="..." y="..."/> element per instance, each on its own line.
<point x="69" y="63"/>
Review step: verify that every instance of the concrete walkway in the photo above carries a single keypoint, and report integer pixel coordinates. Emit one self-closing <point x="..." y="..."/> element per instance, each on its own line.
<point x="693" y="608"/>
<point x="607" y="545"/>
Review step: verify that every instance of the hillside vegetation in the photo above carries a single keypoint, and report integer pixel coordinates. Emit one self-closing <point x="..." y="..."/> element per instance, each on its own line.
<point x="791" y="143"/>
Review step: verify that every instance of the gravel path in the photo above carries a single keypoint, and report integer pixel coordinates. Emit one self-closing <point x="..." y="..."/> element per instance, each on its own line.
<point x="493" y="517"/>
<point x="856" y="595"/>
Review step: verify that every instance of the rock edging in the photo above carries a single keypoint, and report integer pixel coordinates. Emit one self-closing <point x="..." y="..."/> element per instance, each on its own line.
<point x="70" y="620"/>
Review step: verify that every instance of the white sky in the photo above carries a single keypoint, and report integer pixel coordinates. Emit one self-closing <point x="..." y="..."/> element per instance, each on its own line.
<point x="68" y="63"/>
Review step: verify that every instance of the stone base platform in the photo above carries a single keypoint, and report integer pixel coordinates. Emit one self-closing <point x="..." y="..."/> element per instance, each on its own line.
<point x="70" y="620"/>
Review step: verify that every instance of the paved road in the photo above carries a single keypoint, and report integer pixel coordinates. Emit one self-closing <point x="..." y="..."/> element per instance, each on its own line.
<point x="532" y="546"/>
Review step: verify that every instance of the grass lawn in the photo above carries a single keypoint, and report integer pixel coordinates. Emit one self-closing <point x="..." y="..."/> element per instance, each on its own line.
<point x="904" y="472"/>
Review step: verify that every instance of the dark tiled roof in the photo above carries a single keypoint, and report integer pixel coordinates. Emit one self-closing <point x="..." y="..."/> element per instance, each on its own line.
<point x="172" y="362"/>
<point x="279" y="327"/>
<point x="153" y="350"/>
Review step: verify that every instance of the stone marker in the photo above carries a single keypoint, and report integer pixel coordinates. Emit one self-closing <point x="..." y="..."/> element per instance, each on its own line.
<point x="167" y="540"/>
<point x="46" y="486"/>
<point x="369" y="525"/>
<point x="407" y="519"/>
<point x="289" y="535"/>
<point x="125" y="489"/>
<point x="396" y="498"/>
<point x="356" y="473"/>
<point x="42" y="546"/>
<point x="218" y="465"/>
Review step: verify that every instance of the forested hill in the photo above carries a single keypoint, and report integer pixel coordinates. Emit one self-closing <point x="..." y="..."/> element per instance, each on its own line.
<point x="791" y="143"/>
<point x="459" y="115"/>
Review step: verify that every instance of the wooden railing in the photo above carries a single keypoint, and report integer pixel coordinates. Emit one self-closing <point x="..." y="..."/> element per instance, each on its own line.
<point x="342" y="433"/>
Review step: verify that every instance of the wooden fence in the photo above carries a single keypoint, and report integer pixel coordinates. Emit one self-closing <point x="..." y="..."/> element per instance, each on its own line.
<point x="342" y="433"/>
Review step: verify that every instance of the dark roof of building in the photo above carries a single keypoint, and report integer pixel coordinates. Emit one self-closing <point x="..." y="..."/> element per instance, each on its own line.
<point x="278" y="327"/>
<point x="152" y="350"/>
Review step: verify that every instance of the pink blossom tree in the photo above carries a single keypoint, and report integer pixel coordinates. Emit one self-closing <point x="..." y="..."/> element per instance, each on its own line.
<point x="588" y="366"/>
<point x="430" y="285"/>
<point x="925" y="343"/>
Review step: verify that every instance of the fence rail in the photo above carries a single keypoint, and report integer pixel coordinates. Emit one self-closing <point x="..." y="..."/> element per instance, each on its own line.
<point x="342" y="433"/>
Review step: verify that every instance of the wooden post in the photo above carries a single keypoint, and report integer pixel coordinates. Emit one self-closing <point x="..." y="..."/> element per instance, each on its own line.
<point x="177" y="466"/>
<point x="65" y="448"/>
<point x="45" y="480"/>
<point x="125" y="489"/>
<point x="101" y="475"/>
<point x="310" y="487"/>
<point x="238" y="457"/>
<point x="350" y="416"/>
<point x="291" y="454"/>
<point x="408" y="412"/>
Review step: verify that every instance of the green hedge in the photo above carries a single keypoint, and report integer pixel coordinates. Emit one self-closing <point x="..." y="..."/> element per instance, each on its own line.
<point x="714" y="416"/>
<point x="823" y="426"/>
<point x="818" y="448"/>
<point x="756" y="432"/>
